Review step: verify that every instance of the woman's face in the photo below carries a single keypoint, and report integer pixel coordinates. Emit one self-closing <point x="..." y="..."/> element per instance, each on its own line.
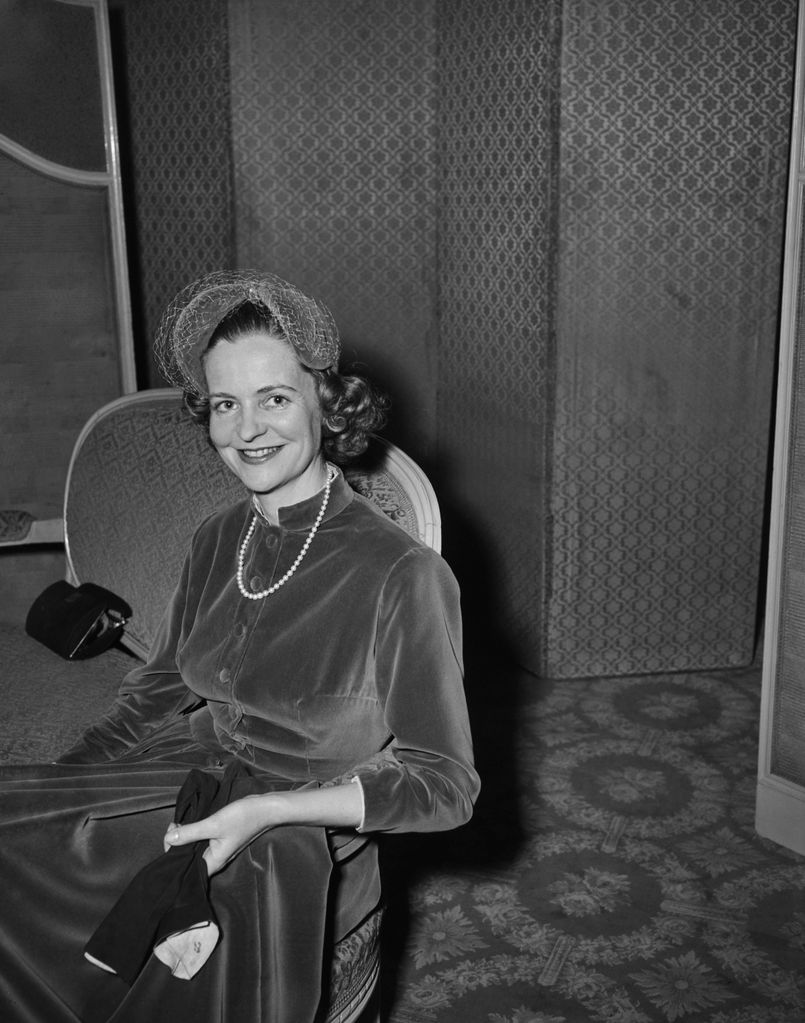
<point x="265" y="419"/>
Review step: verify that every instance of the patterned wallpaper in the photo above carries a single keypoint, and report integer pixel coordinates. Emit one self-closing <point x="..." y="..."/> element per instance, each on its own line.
<point x="175" y="141"/>
<point x="673" y="143"/>
<point x="497" y="240"/>
<point x="333" y="106"/>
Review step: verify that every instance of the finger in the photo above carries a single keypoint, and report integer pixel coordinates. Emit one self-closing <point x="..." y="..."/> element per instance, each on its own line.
<point x="182" y="834"/>
<point x="173" y="828"/>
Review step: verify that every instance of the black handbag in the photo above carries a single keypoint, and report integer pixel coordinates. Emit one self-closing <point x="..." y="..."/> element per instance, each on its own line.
<point x="77" y="622"/>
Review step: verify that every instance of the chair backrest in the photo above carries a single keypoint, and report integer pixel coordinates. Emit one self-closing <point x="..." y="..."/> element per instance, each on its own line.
<point x="143" y="476"/>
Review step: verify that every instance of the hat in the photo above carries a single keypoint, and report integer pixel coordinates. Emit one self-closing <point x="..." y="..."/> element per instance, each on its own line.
<point x="191" y="318"/>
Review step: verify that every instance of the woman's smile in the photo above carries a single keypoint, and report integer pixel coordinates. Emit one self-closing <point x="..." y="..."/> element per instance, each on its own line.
<point x="258" y="454"/>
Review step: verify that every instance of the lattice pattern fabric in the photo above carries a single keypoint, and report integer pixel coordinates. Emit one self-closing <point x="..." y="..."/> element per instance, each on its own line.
<point x="334" y="177"/>
<point x="179" y="134"/>
<point x="498" y="75"/>
<point x="674" y="141"/>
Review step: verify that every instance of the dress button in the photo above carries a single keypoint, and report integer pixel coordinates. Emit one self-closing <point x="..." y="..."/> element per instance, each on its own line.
<point x="256" y="583"/>
<point x="271" y="541"/>
<point x="225" y="676"/>
<point x="239" y="630"/>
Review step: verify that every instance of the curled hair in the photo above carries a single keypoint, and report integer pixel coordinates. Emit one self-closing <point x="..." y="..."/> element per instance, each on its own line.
<point x="351" y="407"/>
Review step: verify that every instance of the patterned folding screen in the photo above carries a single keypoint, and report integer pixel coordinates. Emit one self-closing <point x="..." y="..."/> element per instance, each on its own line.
<point x="552" y="229"/>
<point x="673" y="154"/>
<point x="498" y="94"/>
<point x="611" y="205"/>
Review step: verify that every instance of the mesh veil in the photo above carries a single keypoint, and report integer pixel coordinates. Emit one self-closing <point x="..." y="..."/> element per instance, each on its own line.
<point x="196" y="311"/>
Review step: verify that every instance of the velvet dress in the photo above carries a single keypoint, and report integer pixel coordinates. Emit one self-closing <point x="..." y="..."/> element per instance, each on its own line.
<point x="351" y="671"/>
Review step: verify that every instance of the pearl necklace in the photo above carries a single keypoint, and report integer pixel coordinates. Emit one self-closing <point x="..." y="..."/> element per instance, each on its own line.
<point x="331" y="474"/>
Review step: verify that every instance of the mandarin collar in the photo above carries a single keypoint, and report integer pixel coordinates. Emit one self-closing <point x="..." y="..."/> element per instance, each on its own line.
<point x="303" y="515"/>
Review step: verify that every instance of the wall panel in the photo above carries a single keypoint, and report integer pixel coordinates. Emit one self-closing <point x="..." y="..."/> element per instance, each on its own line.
<point x="175" y="63"/>
<point x="335" y="180"/>
<point x="497" y="243"/>
<point x="673" y="153"/>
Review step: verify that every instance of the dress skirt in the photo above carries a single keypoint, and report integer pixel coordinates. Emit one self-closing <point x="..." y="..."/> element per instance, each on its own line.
<point x="72" y="838"/>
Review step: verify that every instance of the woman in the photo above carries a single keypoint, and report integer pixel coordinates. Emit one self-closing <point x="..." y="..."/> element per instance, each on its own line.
<point x="307" y="669"/>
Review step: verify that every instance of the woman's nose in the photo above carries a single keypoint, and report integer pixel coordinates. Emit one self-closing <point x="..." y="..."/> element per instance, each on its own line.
<point x="251" y="424"/>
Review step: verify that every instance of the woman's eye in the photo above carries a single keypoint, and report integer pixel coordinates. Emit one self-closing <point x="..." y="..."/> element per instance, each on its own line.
<point x="276" y="401"/>
<point x="223" y="406"/>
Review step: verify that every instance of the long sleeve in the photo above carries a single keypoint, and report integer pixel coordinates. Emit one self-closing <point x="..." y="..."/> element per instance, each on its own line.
<point x="148" y="695"/>
<point x="424" y="780"/>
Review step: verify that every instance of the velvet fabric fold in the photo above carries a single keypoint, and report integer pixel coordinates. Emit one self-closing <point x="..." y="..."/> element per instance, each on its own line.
<point x="69" y="846"/>
<point x="166" y="908"/>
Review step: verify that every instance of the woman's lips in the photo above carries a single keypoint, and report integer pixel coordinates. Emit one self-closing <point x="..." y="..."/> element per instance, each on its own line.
<point x="253" y="456"/>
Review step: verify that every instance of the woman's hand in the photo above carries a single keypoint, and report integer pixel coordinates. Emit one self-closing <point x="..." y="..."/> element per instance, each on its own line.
<point x="231" y="828"/>
<point x="228" y="831"/>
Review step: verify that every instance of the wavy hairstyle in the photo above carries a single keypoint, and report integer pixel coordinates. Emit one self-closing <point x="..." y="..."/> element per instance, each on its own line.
<point x="352" y="408"/>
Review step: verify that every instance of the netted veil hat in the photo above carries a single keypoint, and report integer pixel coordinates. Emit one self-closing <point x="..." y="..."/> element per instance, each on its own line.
<point x="189" y="321"/>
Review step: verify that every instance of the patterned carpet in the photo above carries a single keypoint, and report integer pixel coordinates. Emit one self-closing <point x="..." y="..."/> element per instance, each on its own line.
<point x="612" y="871"/>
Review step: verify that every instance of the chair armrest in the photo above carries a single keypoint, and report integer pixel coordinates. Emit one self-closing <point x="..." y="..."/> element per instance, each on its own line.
<point x="20" y="528"/>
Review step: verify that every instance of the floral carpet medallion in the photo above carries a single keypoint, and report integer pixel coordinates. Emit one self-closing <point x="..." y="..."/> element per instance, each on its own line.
<point x="636" y="889"/>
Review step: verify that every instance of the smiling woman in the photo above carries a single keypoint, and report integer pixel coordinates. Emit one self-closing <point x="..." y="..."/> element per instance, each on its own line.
<point x="304" y="693"/>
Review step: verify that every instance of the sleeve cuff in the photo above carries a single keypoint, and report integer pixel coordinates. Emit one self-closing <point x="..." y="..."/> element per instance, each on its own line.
<point x="355" y="780"/>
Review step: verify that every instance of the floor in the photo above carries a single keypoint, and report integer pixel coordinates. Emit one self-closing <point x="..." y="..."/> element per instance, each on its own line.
<point x="612" y="871"/>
